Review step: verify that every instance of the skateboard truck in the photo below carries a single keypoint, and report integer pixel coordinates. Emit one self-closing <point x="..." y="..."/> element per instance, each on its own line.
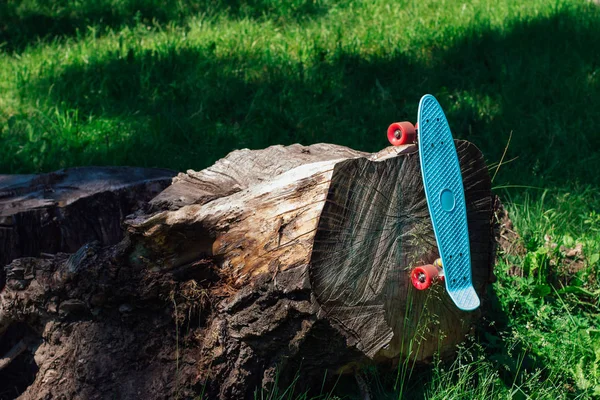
<point x="444" y="191"/>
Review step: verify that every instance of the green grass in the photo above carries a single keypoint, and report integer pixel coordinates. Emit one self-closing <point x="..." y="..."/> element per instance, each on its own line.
<point x="132" y="82"/>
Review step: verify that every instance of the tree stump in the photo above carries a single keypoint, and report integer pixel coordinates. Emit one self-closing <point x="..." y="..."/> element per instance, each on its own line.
<point x="270" y="267"/>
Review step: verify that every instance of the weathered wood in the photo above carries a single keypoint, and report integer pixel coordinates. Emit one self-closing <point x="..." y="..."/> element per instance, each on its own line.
<point x="13" y="353"/>
<point x="270" y="262"/>
<point x="356" y="227"/>
<point x="242" y="169"/>
<point x="62" y="210"/>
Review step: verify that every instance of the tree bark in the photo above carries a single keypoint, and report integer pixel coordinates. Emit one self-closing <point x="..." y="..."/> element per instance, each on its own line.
<point x="269" y="267"/>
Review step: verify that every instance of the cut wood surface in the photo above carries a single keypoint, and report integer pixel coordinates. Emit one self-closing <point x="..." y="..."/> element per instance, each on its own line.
<point x="268" y="263"/>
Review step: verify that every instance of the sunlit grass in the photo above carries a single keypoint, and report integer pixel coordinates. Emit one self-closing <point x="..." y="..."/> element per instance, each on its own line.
<point x="191" y="89"/>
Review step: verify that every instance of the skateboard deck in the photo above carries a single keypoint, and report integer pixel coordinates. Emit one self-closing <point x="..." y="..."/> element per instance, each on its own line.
<point x="444" y="190"/>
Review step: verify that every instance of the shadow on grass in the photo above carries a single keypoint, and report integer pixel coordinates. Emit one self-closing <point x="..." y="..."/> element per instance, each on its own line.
<point x="26" y="22"/>
<point x="186" y="107"/>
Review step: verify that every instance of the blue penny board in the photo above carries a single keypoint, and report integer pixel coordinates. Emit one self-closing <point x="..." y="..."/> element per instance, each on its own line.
<point x="445" y="194"/>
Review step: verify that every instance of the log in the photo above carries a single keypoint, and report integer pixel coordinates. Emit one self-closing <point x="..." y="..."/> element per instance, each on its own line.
<point x="63" y="210"/>
<point x="269" y="267"/>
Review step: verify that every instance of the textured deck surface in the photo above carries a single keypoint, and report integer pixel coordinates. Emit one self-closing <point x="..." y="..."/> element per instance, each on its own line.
<point x="446" y="201"/>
